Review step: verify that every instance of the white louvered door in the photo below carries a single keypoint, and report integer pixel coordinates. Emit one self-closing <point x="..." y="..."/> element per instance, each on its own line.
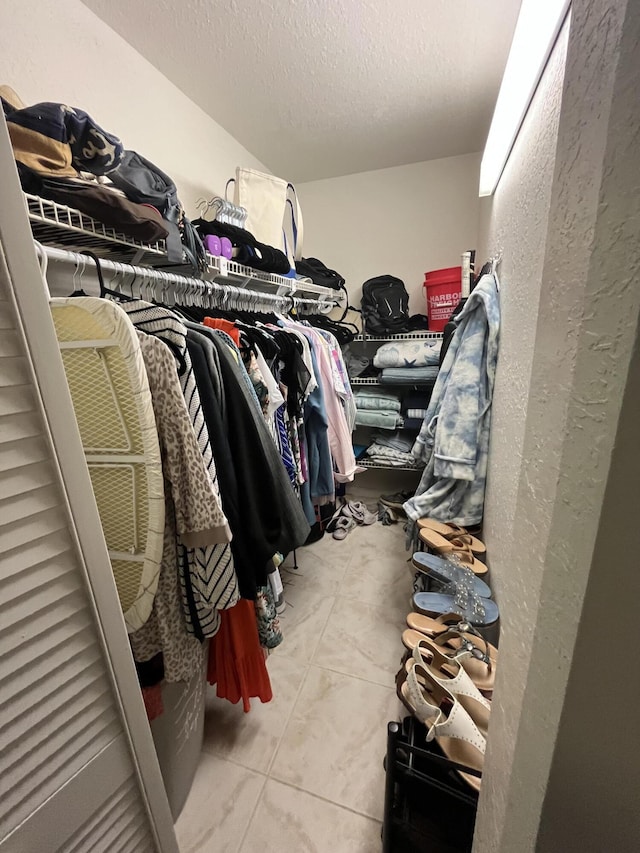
<point x="78" y="772"/>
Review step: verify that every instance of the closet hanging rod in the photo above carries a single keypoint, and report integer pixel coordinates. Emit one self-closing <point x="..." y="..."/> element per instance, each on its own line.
<point x="212" y="290"/>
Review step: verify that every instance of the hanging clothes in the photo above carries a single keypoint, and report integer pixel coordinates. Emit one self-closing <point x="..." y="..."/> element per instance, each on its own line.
<point x="207" y="577"/>
<point x="192" y="512"/>
<point x="236" y="660"/>
<point x="225" y="326"/>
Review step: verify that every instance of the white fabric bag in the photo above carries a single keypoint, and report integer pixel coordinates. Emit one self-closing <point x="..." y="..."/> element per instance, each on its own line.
<point x="273" y="212"/>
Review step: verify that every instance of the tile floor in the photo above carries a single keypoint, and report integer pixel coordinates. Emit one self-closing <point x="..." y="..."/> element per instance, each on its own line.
<point x="303" y="773"/>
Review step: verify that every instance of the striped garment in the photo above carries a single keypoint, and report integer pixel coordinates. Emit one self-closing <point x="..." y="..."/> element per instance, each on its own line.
<point x="285" y="447"/>
<point x="207" y="578"/>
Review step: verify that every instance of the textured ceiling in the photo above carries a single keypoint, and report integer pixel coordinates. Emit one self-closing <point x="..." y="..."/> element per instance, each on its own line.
<point x="320" y="88"/>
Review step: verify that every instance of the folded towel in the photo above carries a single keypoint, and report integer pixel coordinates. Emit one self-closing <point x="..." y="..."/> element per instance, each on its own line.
<point x="408" y="375"/>
<point x="383" y="420"/>
<point x="407" y="354"/>
<point x="377" y="400"/>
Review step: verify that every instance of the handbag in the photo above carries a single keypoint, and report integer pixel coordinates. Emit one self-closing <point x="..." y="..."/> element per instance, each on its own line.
<point x="319" y="273"/>
<point x="272" y="210"/>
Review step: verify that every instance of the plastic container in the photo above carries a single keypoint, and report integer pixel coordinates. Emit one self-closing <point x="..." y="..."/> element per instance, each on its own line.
<point x="443" y="291"/>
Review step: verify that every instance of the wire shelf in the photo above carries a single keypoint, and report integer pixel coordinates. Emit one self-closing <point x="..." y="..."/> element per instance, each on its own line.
<point x="57" y="225"/>
<point x="242" y="276"/>
<point x="62" y="227"/>
<point x="391" y="386"/>
<point x="365" y="463"/>
<point x="406" y="336"/>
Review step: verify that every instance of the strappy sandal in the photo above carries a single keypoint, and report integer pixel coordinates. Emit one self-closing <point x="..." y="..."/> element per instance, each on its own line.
<point x="480" y="669"/>
<point x="446" y="721"/>
<point x="449" y="673"/>
<point x="450" y="547"/>
<point x="452" y="635"/>
<point x="453" y="531"/>
<point x="447" y="571"/>
<point x="480" y="611"/>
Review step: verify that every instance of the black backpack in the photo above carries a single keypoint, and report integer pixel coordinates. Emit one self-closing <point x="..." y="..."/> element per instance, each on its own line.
<point x="385" y="306"/>
<point x="143" y="182"/>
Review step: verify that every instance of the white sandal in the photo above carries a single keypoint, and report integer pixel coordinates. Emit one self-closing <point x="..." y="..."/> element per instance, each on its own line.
<point x="445" y="719"/>
<point x="449" y="673"/>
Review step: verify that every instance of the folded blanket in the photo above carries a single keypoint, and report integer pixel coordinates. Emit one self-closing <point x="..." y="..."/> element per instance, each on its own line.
<point x="408" y="375"/>
<point x="383" y="420"/>
<point x="399" y="440"/>
<point x="407" y="354"/>
<point x="387" y="456"/>
<point x="377" y="400"/>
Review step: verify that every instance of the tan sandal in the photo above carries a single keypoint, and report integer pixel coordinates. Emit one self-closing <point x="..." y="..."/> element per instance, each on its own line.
<point x="452" y="548"/>
<point x="445" y="719"/>
<point x="448" y="632"/>
<point x="453" y="531"/>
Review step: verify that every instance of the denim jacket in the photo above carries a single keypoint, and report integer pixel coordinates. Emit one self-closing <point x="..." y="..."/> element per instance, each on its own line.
<point x="454" y="439"/>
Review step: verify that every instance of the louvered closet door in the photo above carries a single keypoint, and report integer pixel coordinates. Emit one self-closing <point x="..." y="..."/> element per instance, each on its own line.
<point x="77" y="768"/>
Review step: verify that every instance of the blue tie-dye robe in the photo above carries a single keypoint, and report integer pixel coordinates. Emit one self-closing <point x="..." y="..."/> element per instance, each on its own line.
<point x="454" y="439"/>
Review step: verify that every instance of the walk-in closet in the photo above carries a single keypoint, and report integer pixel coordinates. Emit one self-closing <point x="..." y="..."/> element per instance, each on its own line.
<point x="319" y="380"/>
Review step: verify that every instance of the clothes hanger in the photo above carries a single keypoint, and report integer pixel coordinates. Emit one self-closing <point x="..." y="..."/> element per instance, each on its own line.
<point x="79" y="268"/>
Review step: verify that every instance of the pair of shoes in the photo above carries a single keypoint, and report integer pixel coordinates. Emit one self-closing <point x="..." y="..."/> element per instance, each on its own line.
<point x="463" y="592"/>
<point x="429" y="695"/>
<point x="453" y="547"/>
<point x="449" y="572"/>
<point x="343" y="527"/>
<point x="396" y="501"/>
<point x="347" y="516"/>
<point x="458" y="639"/>
<point x="449" y="530"/>
<point x="467" y="605"/>
<point x="359" y="513"/>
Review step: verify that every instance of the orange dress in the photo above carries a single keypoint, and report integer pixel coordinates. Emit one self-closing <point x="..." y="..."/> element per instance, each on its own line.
<point x="236" y="659"/>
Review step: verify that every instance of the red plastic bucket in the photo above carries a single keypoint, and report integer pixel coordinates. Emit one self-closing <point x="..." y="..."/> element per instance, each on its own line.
<point x="443" y="291"/>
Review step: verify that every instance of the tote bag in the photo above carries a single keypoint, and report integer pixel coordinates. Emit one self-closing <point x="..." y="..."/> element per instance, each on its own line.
<point x="272" y="210"/>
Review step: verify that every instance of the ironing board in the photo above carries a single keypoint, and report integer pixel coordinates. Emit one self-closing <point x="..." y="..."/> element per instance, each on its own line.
<point x="112" y="403"/>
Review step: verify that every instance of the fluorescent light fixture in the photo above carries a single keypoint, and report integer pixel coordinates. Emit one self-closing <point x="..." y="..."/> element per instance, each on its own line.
<point x="539" y="23"/>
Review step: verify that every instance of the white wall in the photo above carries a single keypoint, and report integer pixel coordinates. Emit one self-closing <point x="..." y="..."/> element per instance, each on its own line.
<point x="58" y="50"/>
<point x="557" y="442"/>
<point x="403" y="221"/>
<point x="514" y="222"/>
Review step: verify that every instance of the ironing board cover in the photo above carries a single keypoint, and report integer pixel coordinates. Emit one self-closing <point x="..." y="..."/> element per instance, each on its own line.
<point x="112" y="402"/>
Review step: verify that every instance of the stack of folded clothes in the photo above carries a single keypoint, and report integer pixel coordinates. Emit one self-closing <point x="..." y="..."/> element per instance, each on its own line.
<point x="408" y="362"/>
<point x="377" y="408"/>
<point x="414" y="410"/>
<point x="393" y="449"/>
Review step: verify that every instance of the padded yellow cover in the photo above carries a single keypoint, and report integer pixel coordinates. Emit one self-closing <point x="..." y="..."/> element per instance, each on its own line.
<point x="112" y="402"/>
